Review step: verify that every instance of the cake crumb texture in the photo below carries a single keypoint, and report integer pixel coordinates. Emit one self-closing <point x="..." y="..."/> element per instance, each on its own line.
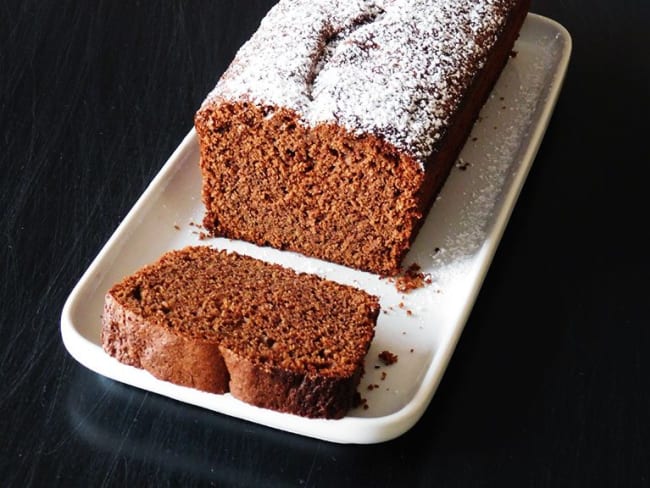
<point x="388" y="357"/>
<point x="411" y="279"/>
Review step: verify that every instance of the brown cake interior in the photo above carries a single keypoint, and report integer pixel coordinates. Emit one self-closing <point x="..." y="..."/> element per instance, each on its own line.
<point x="270" y="180"/>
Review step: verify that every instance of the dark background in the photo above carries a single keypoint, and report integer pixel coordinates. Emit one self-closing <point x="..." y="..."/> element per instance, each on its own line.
<point x="549" y="385"/>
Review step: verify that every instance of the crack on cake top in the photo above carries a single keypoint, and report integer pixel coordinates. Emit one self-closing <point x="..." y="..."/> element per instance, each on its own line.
<point x="333" y="36"/>
<point x="393" y="68"/>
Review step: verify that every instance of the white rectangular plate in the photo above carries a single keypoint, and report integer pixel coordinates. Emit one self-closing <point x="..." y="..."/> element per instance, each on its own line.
<point x="454" y="248"/>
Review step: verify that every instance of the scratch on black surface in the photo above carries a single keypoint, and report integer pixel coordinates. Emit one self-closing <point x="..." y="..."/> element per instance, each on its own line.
<point x="313" y="464"/>
<point x="117" y="453"/>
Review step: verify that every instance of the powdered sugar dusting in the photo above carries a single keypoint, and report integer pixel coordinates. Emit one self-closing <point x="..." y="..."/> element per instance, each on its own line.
<point x="461" y="224"/>
<point x="394" y="68"/>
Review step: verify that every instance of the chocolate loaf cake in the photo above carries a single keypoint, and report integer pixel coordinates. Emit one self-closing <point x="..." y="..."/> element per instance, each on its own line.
<point x="222" y="322"/>
<point x="337" y="123"/>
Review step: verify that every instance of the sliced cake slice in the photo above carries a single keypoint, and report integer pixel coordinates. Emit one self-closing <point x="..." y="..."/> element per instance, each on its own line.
<point x="223" y="322"/>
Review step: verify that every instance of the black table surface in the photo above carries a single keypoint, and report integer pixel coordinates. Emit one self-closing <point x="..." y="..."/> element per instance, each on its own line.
<point x="549" y="384"/>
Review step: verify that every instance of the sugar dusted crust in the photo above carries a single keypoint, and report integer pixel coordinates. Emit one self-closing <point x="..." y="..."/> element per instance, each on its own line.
<point x="396" y="69"/>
